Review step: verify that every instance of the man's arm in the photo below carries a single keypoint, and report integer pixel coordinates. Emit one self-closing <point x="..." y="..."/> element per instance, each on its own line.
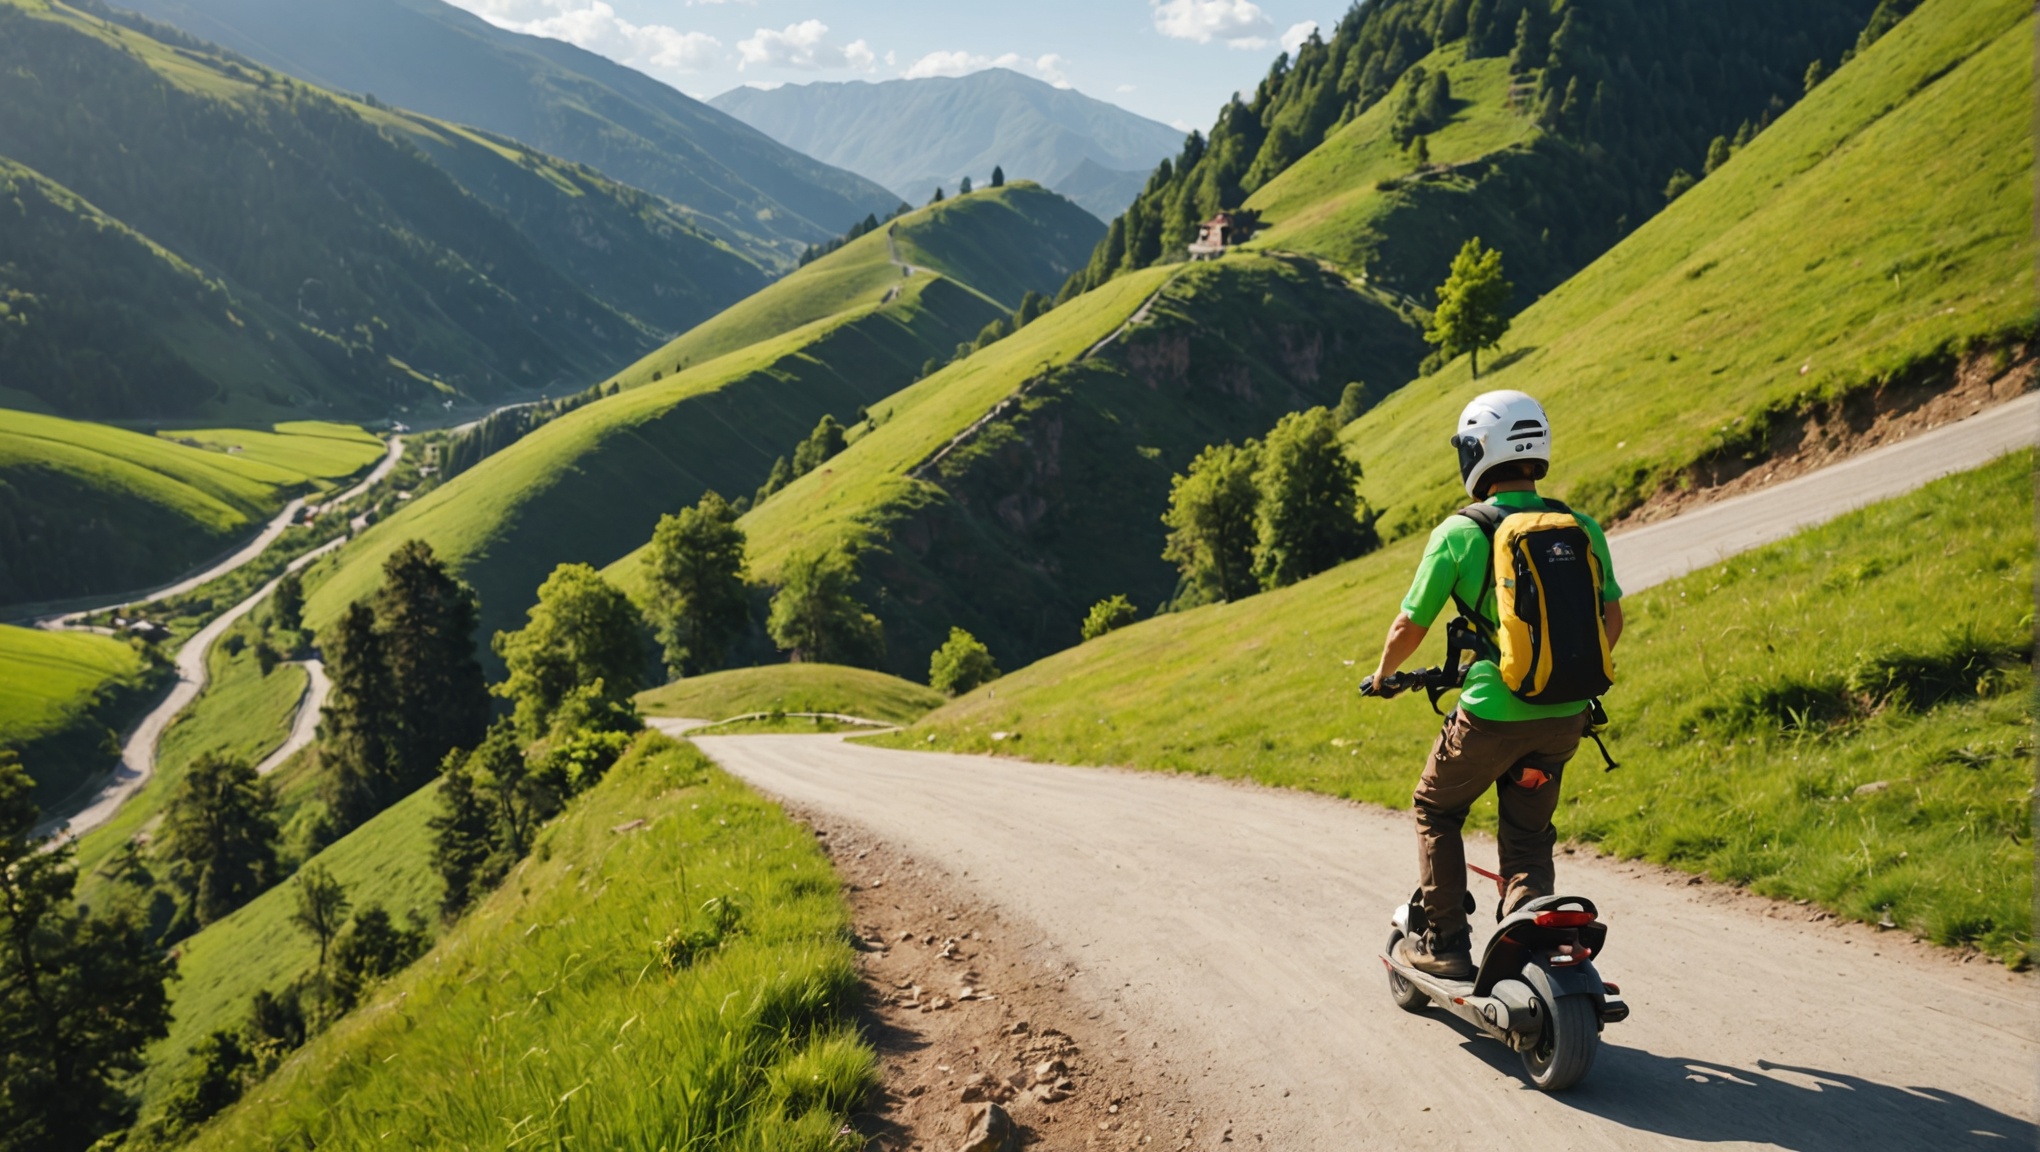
<point x="1405" y="636"/>
<point x="1611" y="612"/>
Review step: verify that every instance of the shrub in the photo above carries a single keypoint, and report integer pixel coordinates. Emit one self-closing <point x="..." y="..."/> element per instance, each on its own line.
<point x="961" y="664"/>
<point x="1108" y="615"/>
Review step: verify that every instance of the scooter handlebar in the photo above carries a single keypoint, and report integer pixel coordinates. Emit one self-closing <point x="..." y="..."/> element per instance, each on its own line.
<point x="1396" y="683"/>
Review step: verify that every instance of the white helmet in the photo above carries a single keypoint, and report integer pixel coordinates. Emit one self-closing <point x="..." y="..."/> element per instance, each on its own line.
<point x="1498" y="427"/>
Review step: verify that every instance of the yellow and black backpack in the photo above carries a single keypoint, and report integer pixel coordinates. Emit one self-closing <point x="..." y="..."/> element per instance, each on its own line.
<point x="1550" y="638"/>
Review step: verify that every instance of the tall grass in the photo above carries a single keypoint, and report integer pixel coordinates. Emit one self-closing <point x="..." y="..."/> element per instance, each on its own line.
<point x="1841" y="717"/>
<point x="549" y="1017"/>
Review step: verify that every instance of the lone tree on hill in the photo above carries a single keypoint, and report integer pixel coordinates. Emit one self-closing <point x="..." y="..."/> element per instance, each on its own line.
<point x="1211" y="524"/>
<point x="963" y="189"/>
<point x="428" y="619"/>
<point x="584" y="637"/>
<point x="1310" y="517"/>
<point x="697" y="578"/>
<point x="998" y="176"/>
<point x="81" y="993"/>
<point x="358" y="734"/>
<point x="1472" y="304"/>
<point x="320" y="908"/>
<point x="219" y="836"/>
<point x="816" y="616"/>
<point x="961" y="664"/>
<point x="938" y="195"/>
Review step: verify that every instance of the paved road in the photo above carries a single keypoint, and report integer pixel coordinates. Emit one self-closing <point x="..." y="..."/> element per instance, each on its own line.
<point x="1238" y="927"/>
<point x="305" y="727"/>
<point x="138" y="754"/>
<point x="1671" y="548"/>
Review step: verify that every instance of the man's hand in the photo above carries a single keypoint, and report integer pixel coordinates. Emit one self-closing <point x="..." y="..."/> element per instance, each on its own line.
<point x="1405" y="636"/>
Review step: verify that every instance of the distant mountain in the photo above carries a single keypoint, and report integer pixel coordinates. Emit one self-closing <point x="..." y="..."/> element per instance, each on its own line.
<point x="915" y="135"/>
<point x="189" y="234"/>
<point x="766" y="199"/>
<point x="1104" y="192"/>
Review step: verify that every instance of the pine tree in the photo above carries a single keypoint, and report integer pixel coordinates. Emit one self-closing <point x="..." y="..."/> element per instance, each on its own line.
<point x="81" y="993"/>
<point x="816" y="616"/>
<point x="998" y="176"/>
<point x="697" y="582"/>
<point x="963" y="189"/>
<point x="461" y="836"/>
<point x="1211" y="524"/>
<point x="428" y="619"/>
<point x="288" y="602"/>
<point x="1308" y="516"/>
<point x="938" y="195"/>
<point x="219" y="836"/>
<point x="1471" y="313"/>
<point x="359" y="733"/>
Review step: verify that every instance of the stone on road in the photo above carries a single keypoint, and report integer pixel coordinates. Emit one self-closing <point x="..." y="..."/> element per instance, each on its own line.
<point x="1240" y="928"/>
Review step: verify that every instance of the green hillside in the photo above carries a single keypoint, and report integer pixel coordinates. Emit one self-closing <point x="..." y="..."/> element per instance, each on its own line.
<point x="355" y="258"/>
<point x="1878" y="233"/>
<point x="843" y="333"/>
<point x="63" y="698"/>
<point x="1050" y="497"/>
<point x="545" y="1015"/>
<point x="791" y="688"/>
<point x="89" y="509"/>
<point x="1552" y="130"/>
<point x="764" y="198"/>
<point x="1843" y="667"/>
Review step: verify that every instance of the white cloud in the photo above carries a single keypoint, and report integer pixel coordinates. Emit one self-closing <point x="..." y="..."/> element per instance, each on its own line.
<point x="1239" y="23"/>
<point x="1297" y="34"/>
<point x="960" y="63"/>
<point x="1123" y="88"/>
<point x="804" y="46"/>
<point x="594" y="25"/>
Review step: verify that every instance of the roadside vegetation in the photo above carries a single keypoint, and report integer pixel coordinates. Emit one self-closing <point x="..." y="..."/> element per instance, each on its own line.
<point x="1841" y="717"/>
<point x="64" y="697"/>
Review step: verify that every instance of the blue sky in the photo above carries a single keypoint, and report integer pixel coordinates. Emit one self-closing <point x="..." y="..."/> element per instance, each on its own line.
<point x="1173" y="60"/>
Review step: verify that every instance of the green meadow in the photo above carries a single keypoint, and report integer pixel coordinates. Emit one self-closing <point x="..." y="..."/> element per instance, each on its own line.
<point x="1841" y="717"/>
<point x="547" y="1016"/>
<point x="791" y="688"/>
<point x="1883" y="226"/>
<point x="63" y="697"/>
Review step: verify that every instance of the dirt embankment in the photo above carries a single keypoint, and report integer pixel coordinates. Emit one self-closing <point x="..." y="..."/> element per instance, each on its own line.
<point x="968" y="1010"/>
<point x="1824" y="434"/>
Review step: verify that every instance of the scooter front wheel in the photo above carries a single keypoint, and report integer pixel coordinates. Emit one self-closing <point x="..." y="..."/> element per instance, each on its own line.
<point x="1407" y="996"/>
<point x="1565" y="1050"/>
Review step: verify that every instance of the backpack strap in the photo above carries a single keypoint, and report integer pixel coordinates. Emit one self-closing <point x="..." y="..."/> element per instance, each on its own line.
<point x="1487" y="517"/>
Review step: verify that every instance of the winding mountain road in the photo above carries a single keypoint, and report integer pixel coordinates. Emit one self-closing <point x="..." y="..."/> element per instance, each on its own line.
<point x="1238" y="927"/>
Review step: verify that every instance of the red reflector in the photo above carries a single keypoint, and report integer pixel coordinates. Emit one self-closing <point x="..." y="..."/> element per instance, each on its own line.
<point x="1564" y="919"/>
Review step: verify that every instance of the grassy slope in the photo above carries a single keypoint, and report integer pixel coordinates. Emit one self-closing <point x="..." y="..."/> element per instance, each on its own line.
<point x="1885" y="219"/>
<point x="107" y="510"/>
<point x="60" y="694"/>
<point x="386" y="861"/>
<point x="792" y="688"/>
<point x="1329" y="203"/>
<point x="1263" y="689"/>
<point x="544" y="1016"/>
<point x="835" y="502"/>
<point x="590" y="486"/>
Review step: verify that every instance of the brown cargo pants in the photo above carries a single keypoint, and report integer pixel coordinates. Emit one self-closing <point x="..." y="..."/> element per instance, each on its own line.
<point x="1471" y="754"/>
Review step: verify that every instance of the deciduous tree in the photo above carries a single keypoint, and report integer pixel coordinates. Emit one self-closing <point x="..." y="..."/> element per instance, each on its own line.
<point x="961" y="664"/>
<point x="1309" y="510"/>
<point x="697" y="579"/>
<point x="1211" y="523"/>
<point x="583" y="634"/>
<point x="1473" y="303"/>
<point x="288" y="602"/>
<point x="816" y="616"/>
<point x="319" y="907"/>
<point x="1109" y="615"/>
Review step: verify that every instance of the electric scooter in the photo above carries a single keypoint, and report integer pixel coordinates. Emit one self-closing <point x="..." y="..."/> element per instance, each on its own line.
<point x="1536" y="989"/>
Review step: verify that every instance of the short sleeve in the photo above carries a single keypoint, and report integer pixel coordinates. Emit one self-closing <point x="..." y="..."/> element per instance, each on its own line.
<point x="1437" y="572"/>
<point x="1610" y="590"/>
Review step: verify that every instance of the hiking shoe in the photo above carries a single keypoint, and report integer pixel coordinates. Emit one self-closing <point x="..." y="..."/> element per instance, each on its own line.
<point x="1452" y="960"/>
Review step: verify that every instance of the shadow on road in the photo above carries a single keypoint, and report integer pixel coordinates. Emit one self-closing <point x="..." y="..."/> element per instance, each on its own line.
<point x="1807" y="1110"/>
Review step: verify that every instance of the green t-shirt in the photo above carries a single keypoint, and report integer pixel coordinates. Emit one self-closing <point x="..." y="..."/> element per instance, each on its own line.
<point x="1457" y="560"/>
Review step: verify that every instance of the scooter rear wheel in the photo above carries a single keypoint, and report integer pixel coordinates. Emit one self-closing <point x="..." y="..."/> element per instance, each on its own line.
<point x="1565" y="1051"/>
<point x="1407" y="996"/>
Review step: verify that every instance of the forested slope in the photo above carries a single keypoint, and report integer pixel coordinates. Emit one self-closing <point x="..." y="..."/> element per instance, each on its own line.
<point x="764" y="198"/>
<point x="281" y="248"/>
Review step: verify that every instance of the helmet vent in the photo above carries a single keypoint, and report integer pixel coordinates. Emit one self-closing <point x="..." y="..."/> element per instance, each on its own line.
<point x="1520" y="425"/>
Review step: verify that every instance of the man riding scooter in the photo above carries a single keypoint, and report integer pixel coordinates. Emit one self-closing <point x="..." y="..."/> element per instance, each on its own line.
<point x="1534" y="580"/>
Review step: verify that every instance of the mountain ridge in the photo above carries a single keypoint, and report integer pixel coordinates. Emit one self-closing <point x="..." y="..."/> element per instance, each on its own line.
<point x="915" y="135"/>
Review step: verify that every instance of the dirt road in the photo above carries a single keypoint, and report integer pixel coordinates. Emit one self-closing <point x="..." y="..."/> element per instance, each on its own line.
<point x="1238" y="927"/>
